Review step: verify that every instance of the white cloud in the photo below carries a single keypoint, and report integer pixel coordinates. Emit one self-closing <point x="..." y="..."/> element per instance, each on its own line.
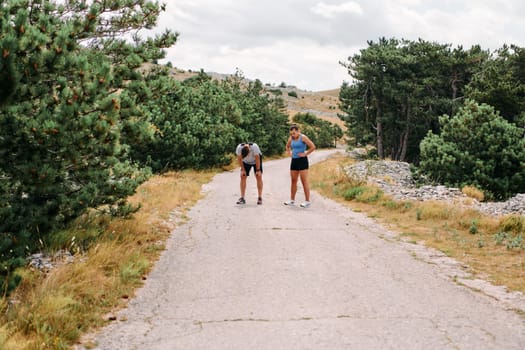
<point x="484" y="24"/>
<point x="303" y="63"/>
<point x="302" y="41"/>
<point x="180" y="13"/>
<point x="330" y="11"/>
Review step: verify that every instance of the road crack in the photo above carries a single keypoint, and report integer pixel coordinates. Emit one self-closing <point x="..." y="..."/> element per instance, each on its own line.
<point x="297" y="319"/>
<point x="445" y="334"/>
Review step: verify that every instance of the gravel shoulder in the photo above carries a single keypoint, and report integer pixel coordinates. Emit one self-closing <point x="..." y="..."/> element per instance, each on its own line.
<point x="276" y="277"/>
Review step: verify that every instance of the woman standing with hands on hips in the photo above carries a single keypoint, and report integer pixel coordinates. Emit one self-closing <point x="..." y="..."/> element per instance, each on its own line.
<point x="299" y="146"/>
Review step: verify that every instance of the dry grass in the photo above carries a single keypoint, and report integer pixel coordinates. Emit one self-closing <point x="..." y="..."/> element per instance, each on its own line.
<point x="482" y="242"/>
<point x="473" y="192"/>
<point x="51" y="311"/>
<point x="316" y="101"/>
<point x="292" y="111"/>
<point x="332" y="93"/>
<point x="324" y="102"/>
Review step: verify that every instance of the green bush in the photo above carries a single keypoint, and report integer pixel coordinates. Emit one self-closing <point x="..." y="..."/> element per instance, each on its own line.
<point x="263" y="119"/>
<point x="393" y="205"/>
<point x="476" y="147"/>
<point x="293" y="94"/>
<point x="370" y="195"/>
<point x="199" y="123"/>
<point x="516" y="242"/>
<point x="513" y="223"/>
<point x="511" y="241"/>
<point x="196" y="126"/>
<point x="352" y="193"/>
<point x="364" y="194"/>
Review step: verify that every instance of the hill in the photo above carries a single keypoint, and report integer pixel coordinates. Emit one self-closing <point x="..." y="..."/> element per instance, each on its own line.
<point x="323" y="104"/>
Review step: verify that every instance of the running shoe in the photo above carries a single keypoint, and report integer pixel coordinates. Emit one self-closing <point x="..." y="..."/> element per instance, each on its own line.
<point x="305" y="204"/>
<point x="241" y="201"/>
<point x="290" y="202"/>
<point x="259" y="201"/>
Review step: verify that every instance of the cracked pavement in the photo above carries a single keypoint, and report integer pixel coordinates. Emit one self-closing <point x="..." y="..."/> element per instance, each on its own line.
<point x="276" y="277"/>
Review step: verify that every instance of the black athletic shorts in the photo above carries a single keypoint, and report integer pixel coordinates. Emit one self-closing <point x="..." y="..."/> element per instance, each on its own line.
<point x="299" y="164"/>
<point x="247" y="167"/>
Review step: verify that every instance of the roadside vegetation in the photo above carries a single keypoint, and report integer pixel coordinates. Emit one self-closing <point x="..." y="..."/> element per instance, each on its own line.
<point x="457" y="114"/>
<point x="493" y="248"/>
<point x="113" y="256"/>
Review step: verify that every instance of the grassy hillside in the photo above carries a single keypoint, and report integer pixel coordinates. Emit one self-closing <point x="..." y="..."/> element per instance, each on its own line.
<point x="324" y="104"/>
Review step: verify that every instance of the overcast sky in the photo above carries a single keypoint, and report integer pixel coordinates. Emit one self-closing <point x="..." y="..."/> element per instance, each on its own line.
<point x="301" y="42"/>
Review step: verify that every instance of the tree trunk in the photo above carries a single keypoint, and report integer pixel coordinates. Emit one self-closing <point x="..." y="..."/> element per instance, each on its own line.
<point x="454" y="86"/>
<point x="406" y="132"/>
<point x="404" y="147"/>
<point x="379" y="133"/>
<point x="397" y="154"/>
<point x="455" y="79"/>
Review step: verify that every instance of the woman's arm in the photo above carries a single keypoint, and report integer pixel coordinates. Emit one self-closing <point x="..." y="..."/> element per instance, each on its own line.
<point x="310" y="144"/>
<point x="241" y="164"/>
<point x="288" y="146"/>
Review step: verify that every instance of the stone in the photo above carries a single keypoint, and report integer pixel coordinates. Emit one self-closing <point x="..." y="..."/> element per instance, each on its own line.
<point x="45" y="263"/>
<point x="395" y="178"/>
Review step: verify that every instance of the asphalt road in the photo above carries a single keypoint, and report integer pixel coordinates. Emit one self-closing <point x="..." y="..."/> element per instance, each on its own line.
<point x="276" y="277"/>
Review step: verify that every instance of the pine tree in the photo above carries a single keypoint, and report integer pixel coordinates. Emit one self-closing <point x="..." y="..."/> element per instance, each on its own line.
<point x="70" y="106"/>
<point x="400" y="88"/>
<point x="476" y="147"/>
<point x="501" y="83"/>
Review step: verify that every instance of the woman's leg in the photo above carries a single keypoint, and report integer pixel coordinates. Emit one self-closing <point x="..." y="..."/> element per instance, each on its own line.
<point x="306" y="186"/>
<point x="243" y="182"/>
<point x="294" y="175"/>
<point x="258" y="176"/>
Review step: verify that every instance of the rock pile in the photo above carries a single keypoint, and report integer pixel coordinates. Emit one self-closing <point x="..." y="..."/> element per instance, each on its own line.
<point x="515" y="204"/>
<point x="384" y="173"/>
<point x="395" y="178"/>
<point x="427" y="193"/>
<point x="358" y="153"/>
<point x="46" y="263"/>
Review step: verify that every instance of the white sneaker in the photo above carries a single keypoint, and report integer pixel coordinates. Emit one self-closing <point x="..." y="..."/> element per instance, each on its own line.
<point x="305" y="204"/>
<point x="290" y="202"/>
